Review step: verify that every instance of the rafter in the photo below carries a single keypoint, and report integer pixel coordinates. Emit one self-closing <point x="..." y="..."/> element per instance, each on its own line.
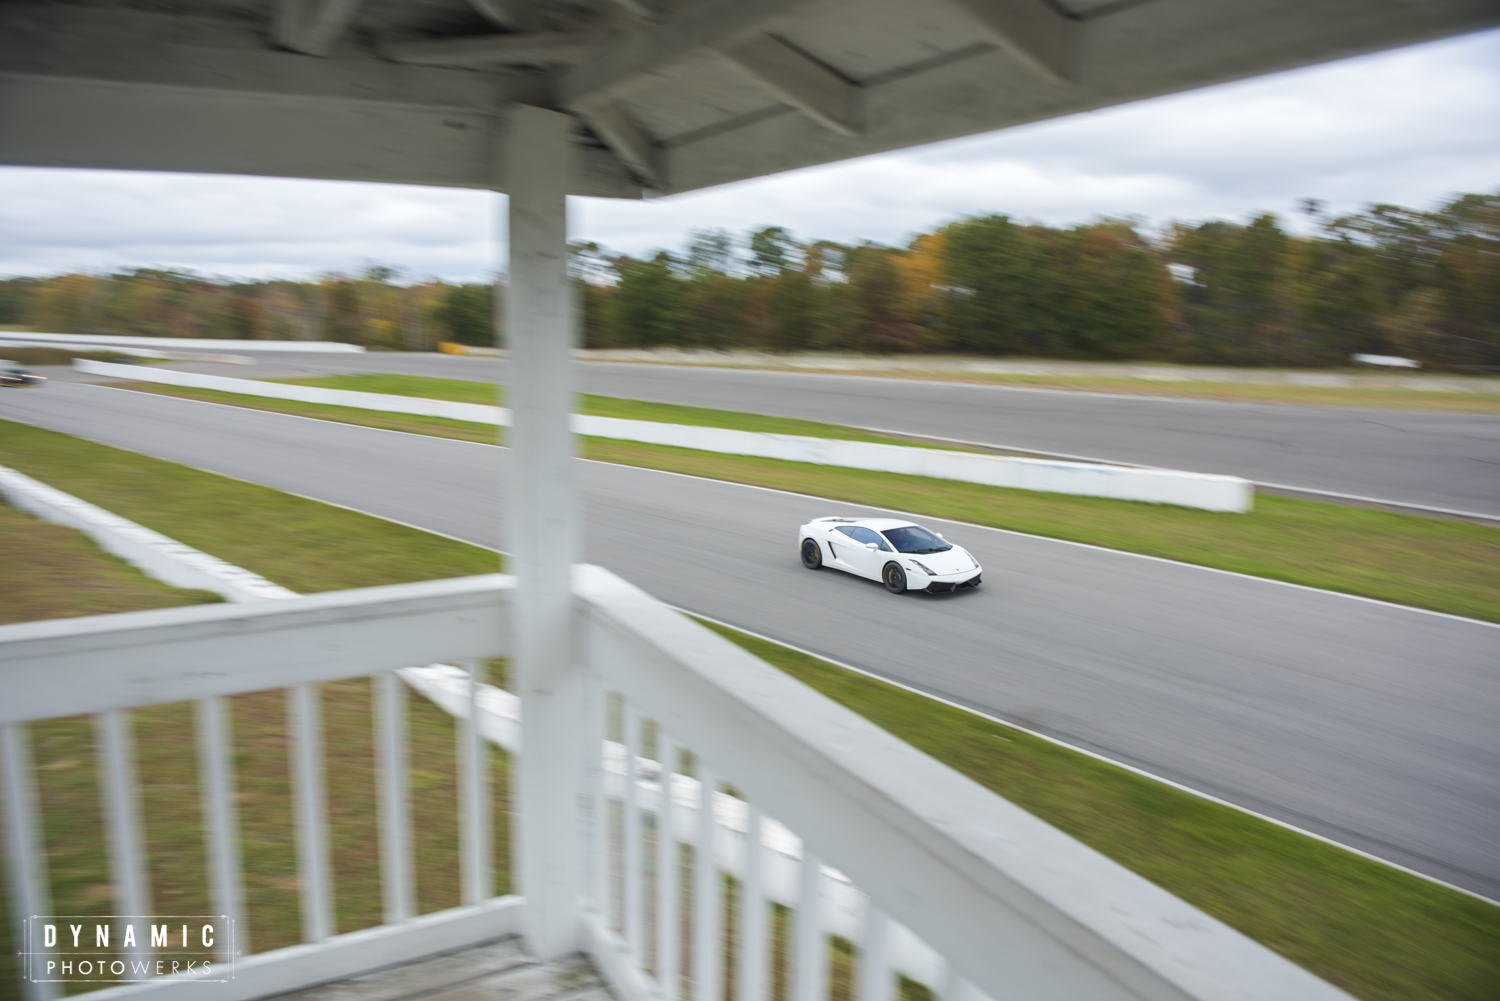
<point x="633" y="60"/>
<point x="313" y="26"/>
<point x="613" y="122"/>
<point x="1033" y="31"/>
<point x="800" y="81"/>
<point x="512" y="15"/>
<point x="539" y="49"/>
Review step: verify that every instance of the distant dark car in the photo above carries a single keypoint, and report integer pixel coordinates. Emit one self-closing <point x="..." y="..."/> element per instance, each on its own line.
<point x="20" y="377"/>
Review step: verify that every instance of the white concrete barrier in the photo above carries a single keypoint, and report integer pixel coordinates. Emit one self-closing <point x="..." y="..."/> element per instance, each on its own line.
<point x="1154" y="486"/>
<point x="151" y="552"/>
<point x="173" y="344"/>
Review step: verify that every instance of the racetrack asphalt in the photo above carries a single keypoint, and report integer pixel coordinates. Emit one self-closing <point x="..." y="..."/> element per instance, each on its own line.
<point x="1371" y="724"/>
<point x="1428" y="458"/>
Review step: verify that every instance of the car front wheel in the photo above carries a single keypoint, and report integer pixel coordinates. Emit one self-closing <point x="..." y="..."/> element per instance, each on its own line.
<point x="894" y="577"/>
<point x="812" y="556"/>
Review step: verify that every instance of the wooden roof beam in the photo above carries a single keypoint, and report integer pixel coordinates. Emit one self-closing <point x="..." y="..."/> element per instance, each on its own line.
<point x="1032" y="31"/>
<point x="313" y="27"/>
<point x="797" y="79"/>
<point x="542" y="48"/>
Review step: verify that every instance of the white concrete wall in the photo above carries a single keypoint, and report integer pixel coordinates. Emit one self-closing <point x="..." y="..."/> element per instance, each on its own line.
<point x="151" y="552"/>
<point x="1155" y="486"/>
<point x="213" y="344"/>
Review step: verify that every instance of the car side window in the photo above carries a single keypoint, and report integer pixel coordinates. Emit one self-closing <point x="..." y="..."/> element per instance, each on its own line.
<point x="863" y="535"/>
<point x="848" y="531"/>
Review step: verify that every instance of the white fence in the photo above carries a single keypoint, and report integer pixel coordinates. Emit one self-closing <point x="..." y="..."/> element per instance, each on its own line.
<point x="955" y="886"/>
<point x="1156" y="486"/>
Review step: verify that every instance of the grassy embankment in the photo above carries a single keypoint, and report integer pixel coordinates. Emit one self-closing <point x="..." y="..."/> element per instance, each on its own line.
<point x="48" y="571"/>
<point x="1188" y="389"/>
<point x="1446" y="566"/>
<point x="1379" y="933"/>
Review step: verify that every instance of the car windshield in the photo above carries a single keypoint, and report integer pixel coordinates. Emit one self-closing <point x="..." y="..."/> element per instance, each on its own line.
<point x="915" y="539"/>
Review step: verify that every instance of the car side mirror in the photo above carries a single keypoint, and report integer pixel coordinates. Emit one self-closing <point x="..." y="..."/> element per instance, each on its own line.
<point x="871" y="545"/>
<point x="939" y="535"/>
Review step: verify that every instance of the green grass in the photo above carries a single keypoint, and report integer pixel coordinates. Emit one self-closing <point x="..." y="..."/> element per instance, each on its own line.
<point x="1193" y="389"/>
<point x="48" y="571"/>
<point x="1379" y="933"/>
<point x="1439" y="564"/>
<point x="301" y="544"/>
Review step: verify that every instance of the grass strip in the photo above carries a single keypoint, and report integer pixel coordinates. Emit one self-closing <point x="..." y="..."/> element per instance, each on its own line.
<point x="302" y="544"/>
<point x="1439" y="564"/>
<point x="1377" y="932"/>
<point x="1187" y="389"/>
<point x="48" y="571"/>
<point x="463" y="391"/>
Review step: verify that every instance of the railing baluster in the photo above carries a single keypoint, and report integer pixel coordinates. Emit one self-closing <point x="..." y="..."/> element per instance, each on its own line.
<point x="875" y="979"/>
<point x="810" y="975"/>
<point x="397" y="885"/>
<point x="122" y="816"/>
<point x="221" y="821"/>
<point x="29" y="883"/>
<point x="602" y="871"/>
<point x="634" y="932"/>
<point x="708" y="913"/>
<point x="668" y="964"/>
<point x="754" y="956"/>
<point x="473" y="800"/>
<point x="313" y="868"/>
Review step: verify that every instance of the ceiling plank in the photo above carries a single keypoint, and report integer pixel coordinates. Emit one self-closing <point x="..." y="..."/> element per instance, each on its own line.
<point x="540" y="49"/>
<point x="637" y="59"/>
<point x="613" y="122"/>
<point x="800" y="81"/>
<point x="313" y="26"/>
<point x="512" y="15"/>
<point x="1032" y="31"/>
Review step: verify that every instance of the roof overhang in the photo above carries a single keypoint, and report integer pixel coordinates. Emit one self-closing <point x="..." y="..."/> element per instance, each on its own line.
<point x="669" y="97"/>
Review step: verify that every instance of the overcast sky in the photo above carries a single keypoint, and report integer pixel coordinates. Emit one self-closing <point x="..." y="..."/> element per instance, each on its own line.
<point x="1410" y="127"/>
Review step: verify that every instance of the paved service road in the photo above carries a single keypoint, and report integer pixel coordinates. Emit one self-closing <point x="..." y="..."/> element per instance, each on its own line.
<point x="1375" y="725"/>
<point x="1431" y="458"/>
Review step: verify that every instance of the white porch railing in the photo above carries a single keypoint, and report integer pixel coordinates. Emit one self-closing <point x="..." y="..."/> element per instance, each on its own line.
<point x="850" y="831"/>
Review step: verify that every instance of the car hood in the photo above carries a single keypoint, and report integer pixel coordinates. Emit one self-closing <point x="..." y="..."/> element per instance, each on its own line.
<point x="955" y="560"/>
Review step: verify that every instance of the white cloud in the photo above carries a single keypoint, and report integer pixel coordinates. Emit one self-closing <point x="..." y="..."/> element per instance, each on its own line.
<point x="1410" y="126"/>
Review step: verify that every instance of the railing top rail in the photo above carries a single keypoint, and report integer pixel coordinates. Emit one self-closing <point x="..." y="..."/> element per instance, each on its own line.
<point x="1020" y="908"/>
<point x="83" y="665"/>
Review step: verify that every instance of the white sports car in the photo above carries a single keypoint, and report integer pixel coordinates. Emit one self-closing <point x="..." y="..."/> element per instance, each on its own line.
<point x="903" y="556"/>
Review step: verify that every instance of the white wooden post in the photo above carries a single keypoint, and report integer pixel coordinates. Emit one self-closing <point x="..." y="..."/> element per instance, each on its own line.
<point x="543" y="533"/>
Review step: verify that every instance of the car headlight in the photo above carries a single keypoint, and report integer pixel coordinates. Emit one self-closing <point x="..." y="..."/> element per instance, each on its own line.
<point x="918" y="565"/>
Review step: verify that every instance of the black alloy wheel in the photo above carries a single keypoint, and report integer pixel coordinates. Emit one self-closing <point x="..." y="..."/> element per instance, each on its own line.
<point x="894" y="577"/>
<point x="812" y="556"/>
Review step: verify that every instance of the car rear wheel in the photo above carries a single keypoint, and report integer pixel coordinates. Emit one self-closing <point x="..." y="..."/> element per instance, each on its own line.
<point x="812" y="556"/>
<point x="894" y="578"/>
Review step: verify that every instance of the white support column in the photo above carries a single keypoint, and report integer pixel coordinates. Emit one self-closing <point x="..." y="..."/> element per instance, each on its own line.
<point x="543" y="532"/>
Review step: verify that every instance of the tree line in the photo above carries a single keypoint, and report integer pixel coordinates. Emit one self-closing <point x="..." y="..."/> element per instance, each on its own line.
<point x="1388" y="280"/>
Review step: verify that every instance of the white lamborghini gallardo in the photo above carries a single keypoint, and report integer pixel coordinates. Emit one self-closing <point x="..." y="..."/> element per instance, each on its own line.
<point x="902" y="556"/>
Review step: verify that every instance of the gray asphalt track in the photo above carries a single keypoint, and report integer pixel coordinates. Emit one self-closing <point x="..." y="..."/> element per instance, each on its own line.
<point x="1372" y="724"/>
<point x="1435" y="459"/>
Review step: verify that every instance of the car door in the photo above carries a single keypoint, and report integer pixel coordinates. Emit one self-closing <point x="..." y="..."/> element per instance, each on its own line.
<point x="858" y="556"/>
